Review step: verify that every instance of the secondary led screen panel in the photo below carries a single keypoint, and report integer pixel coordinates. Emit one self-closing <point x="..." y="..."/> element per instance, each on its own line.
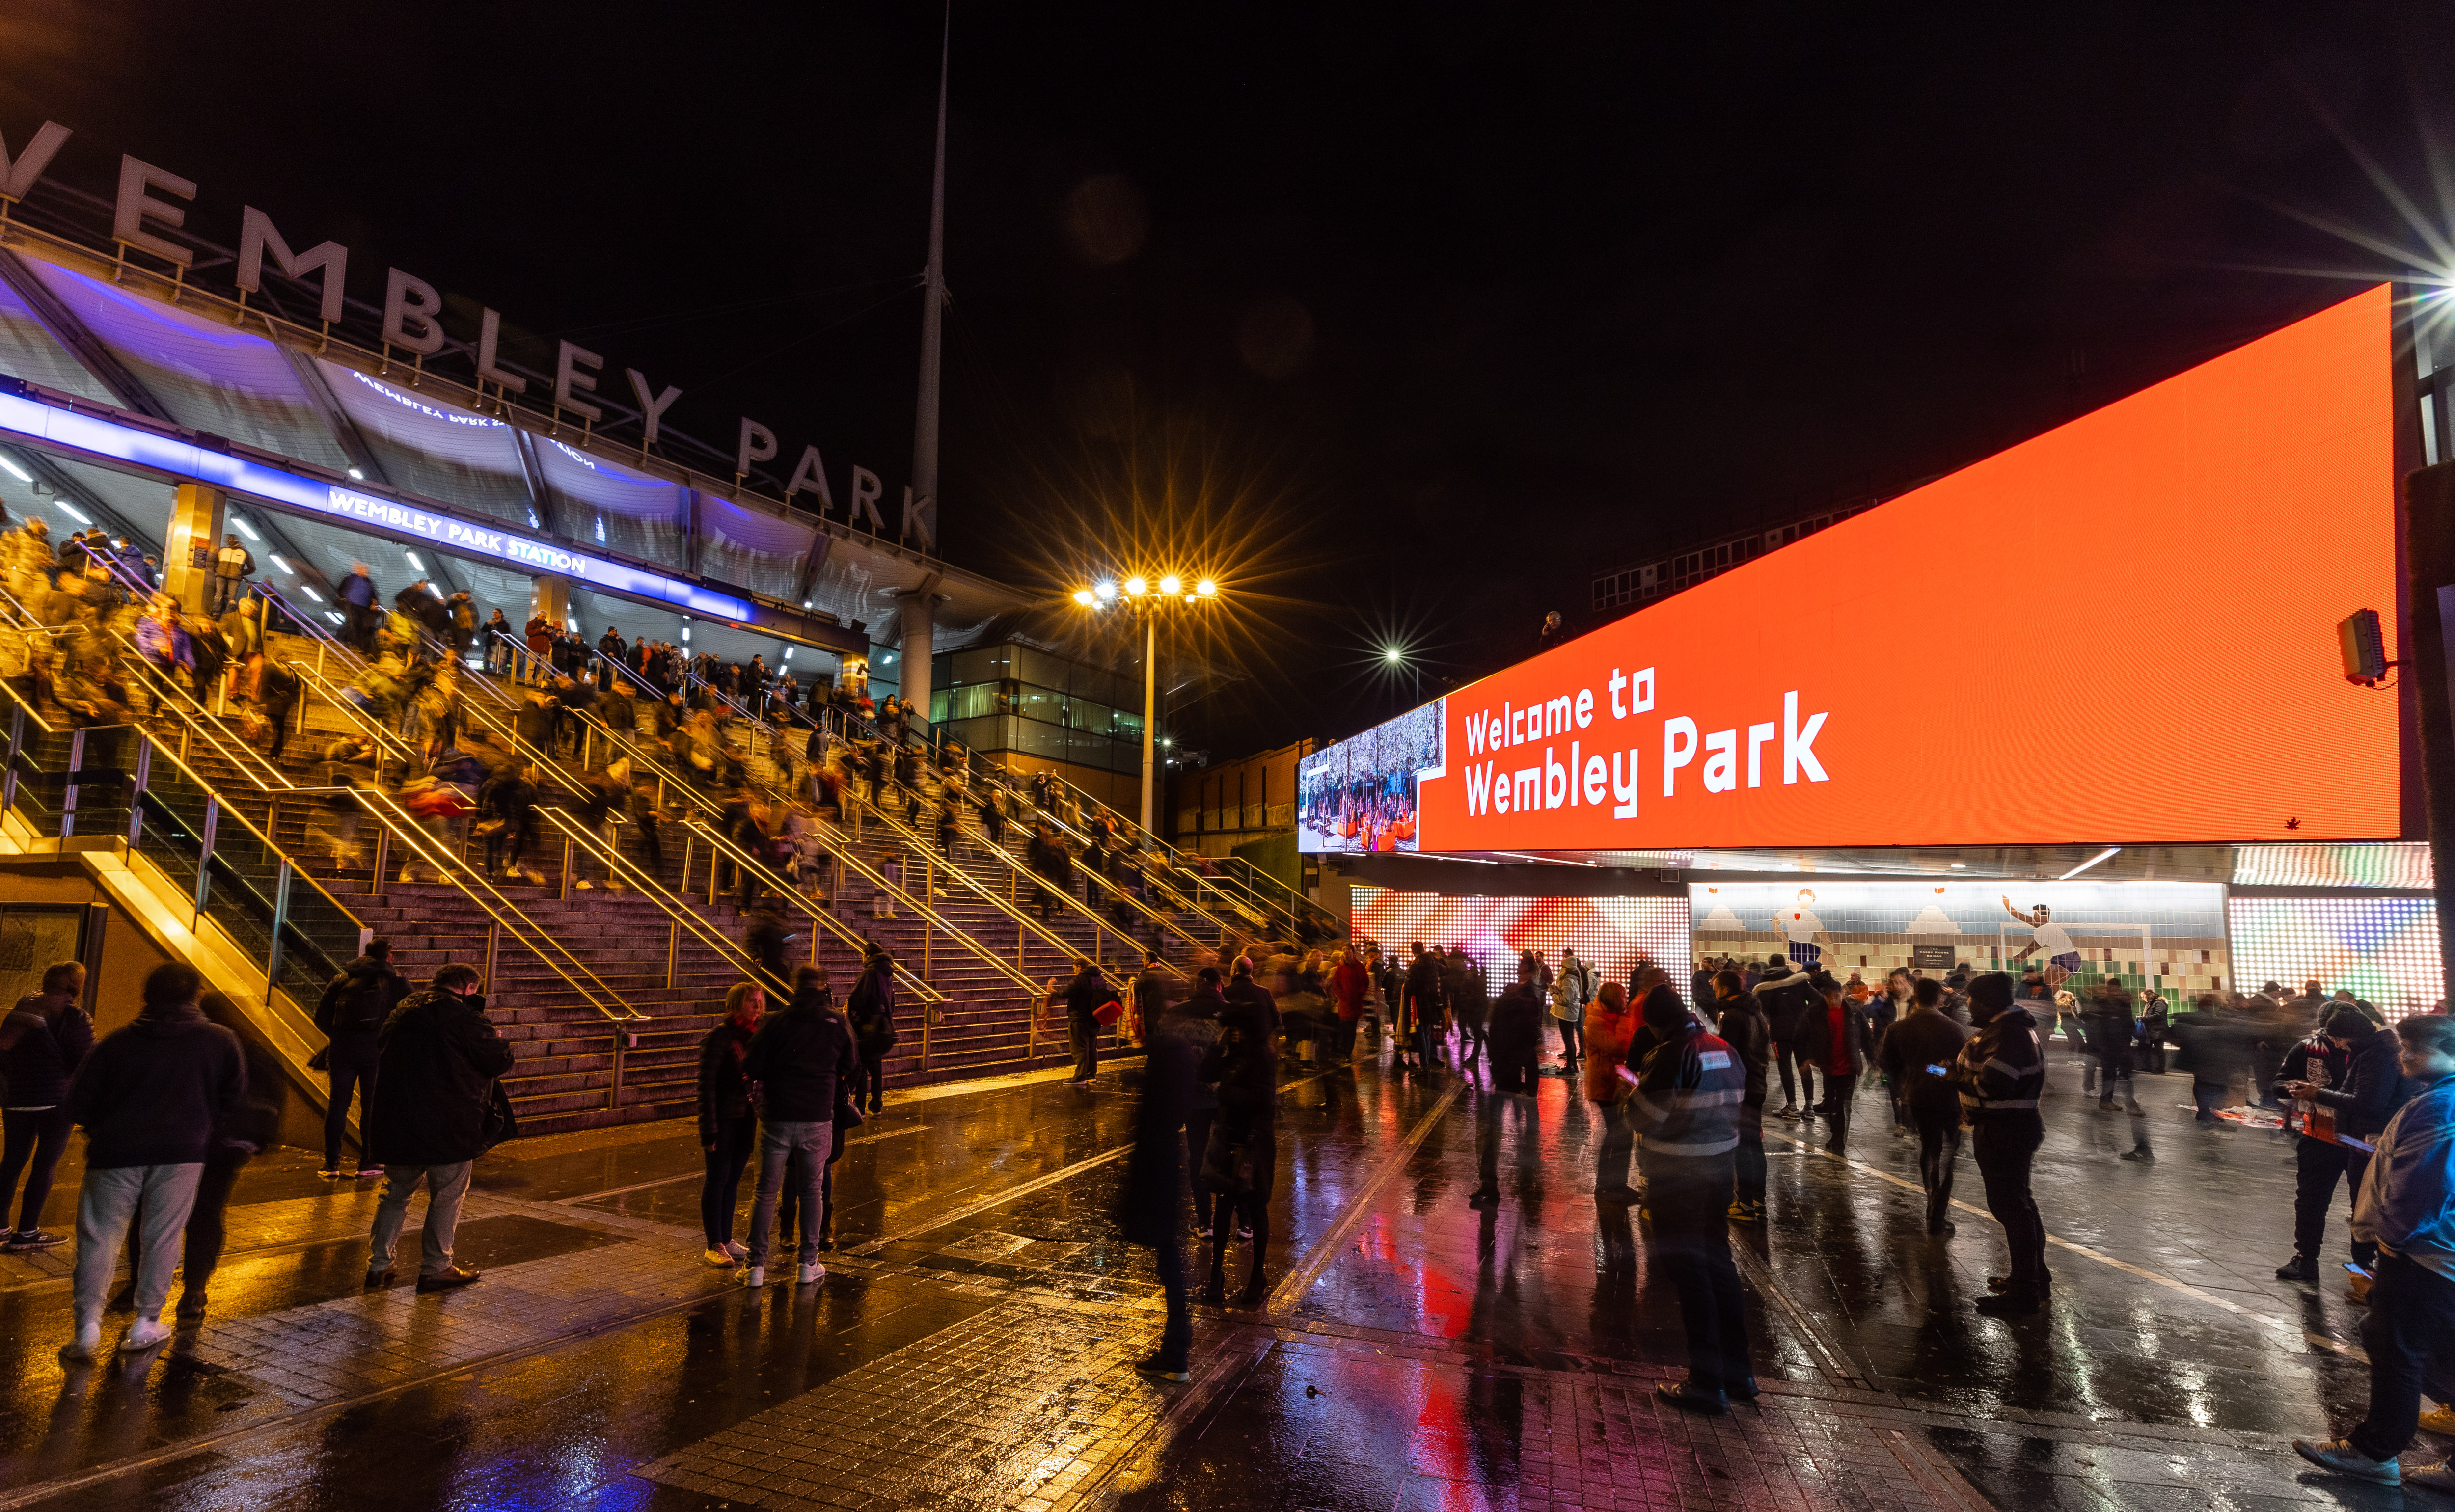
<point x="2384" y="950"/>
<point x="1607" y="933"/>
<point x="2176" y="558"/>
<point x="1360" y="796"/>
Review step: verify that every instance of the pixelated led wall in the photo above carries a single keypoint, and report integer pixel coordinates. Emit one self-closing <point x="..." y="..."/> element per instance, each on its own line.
<point x="2383" y="949"/>
<point x="1609" y="932"/>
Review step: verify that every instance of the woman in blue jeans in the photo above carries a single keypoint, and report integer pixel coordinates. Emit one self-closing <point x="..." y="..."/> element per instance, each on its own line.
<point x="728" y="1123"/>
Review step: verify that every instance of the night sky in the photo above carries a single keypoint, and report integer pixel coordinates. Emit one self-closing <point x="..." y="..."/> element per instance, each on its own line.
<point x="1404" y="320"/>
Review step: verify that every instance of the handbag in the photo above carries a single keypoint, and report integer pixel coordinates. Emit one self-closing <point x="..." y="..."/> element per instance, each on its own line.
<point x="1108" y="1012"/>
<point x="1228" y="1168"/>
<point x="498" y="1122"/>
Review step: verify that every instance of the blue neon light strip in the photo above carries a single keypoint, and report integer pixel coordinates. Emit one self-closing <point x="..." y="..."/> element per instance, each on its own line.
<point x="108" y="439"/>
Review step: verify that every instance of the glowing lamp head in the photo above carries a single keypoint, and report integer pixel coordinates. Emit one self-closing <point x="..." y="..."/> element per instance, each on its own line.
<point x="1135" y="588"/>
<point x="1391" y="654"/>
<point x="1207" y="588"/>
<point x="1171" y="585"/>
<point x="1082" y="597"/>
<point x="1103" y="591"/>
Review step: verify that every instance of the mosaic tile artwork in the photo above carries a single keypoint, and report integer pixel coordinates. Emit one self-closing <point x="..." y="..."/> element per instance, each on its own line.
<point x="2167" y="935"/>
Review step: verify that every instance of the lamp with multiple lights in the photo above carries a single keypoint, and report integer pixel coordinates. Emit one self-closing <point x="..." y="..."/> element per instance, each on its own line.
<point x="1138" y="594"/>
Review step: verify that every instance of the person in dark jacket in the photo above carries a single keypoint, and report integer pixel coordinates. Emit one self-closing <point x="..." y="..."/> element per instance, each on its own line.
<point x="796" y="1059"/>
<point x="727" y="1122"/>
<point x="1682" y="1108"/>
<point x="766" y="942"/>
<point x="1740" y="1023"/>
<point x="1831" y="1036"/>
<point x="871" y="1012"/>
<point x="1155" y="1177"/>
<point x="1195" y="1019"/>
<point x="437" y="1061"/>
<point x="1918" y="1054"/>
<point x="1789" y="1000"/>
<point x="1422" y="1016"/>
<point x="2362" y="1092"/>
<point x="1082" y="996"/>
<point x="2407" y="1209"/>
<point x="2209" y="1046"/>
<point x="1241" y="1165"/>
<point x="149" y="1097"/>
<point x="1999" y="1076"/>
<point x="1515" y="1037"/>
<point x="42" y="1041"/>
<point x="254" y="1127"/>
<point x="2317" y="1160"/>
<point x="352" y="1013"/>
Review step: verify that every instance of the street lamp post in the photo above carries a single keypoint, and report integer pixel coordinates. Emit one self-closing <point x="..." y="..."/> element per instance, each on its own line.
<point x="1138" y="598"/>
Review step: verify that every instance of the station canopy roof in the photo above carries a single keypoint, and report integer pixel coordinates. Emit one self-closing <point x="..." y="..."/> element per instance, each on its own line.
<point x="66" y="326"/>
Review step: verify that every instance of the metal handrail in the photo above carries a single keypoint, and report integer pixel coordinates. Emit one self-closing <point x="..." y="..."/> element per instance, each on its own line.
<point x="401" y="827"/>
<point x="718" y="846"/>
<point x="150" y="749"/>
<point x="842" y="854"/>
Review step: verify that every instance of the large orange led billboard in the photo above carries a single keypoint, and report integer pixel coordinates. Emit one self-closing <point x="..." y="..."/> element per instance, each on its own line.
<point x="2122" y="631"/>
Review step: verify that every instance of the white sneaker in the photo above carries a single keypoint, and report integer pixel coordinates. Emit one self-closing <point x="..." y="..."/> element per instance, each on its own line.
<point x="741" y="1251"/>
<point x="407" y="876"/>
<point x="584" y="885"/>
<point x="87" y="1343"/>
<point x="718" y="1257"/>
<point x="147" y="1333"/>
<point x="813" y="1272"/>
<point x="755" y="1277"/>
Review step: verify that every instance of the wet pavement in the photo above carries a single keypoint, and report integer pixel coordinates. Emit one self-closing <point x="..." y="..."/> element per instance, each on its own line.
<point x="972" y="1345"/>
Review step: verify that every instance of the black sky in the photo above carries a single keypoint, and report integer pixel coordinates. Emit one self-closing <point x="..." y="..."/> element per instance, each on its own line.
<point x="1406" y="319"/>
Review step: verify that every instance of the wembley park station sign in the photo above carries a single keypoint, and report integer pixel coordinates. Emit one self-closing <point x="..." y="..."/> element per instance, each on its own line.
<point x="151" y="200"/>
<point x="2123" y="628"/>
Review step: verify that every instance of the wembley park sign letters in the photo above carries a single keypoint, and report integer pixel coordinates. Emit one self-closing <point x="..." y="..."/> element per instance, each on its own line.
<point x="413" y="323"/>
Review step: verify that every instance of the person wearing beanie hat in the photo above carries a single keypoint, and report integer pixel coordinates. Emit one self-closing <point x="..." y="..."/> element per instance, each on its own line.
<point x="2000" y="1073"/>
<point x="1683" y="1106"/>
<point x="2361" y="1089"/>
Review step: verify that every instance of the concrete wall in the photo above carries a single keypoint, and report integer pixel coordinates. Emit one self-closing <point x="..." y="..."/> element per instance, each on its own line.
<point x="1221" y="807"/>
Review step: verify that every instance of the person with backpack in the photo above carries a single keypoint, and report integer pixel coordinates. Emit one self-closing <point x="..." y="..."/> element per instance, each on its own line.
<point x="42" y="1043"/>
<point x="870" y="1010"/>
<point x="1571" y="990"/>
<point x="351" y="1015"/>
<point x="1918" y="1054"/>
<point x="440" y="1062"/>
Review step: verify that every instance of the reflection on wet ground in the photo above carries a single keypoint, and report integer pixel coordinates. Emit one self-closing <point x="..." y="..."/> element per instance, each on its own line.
<point x="973" y="1343"/>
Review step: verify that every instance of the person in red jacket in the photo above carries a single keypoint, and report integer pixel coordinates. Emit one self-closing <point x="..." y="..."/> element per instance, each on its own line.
<point x="1609" y="1030"/>
<point x="1350" y="987"/>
